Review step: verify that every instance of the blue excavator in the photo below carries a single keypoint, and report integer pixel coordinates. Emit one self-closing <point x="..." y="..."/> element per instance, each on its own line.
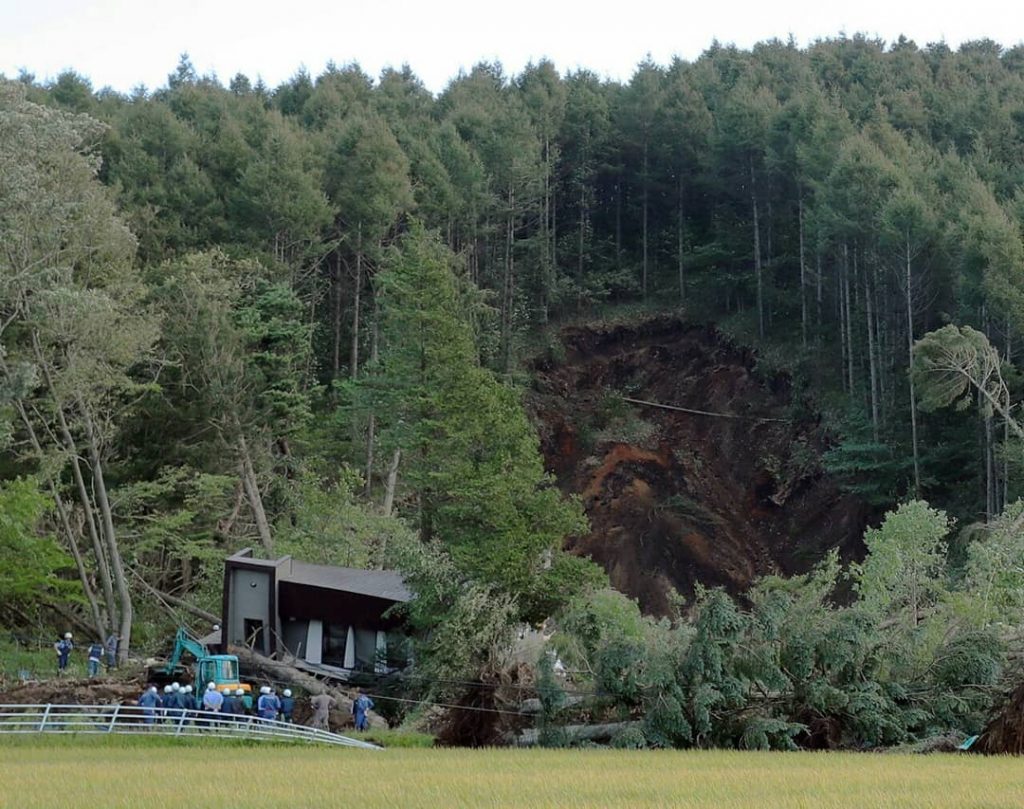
<point x="221" y="670"/>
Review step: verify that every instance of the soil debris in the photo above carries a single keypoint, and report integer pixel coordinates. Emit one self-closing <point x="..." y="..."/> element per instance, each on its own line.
<point x="678" y="498"/>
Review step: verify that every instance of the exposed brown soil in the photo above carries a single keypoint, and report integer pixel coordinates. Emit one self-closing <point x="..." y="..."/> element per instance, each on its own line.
<point x="676" y="498"/>
<point x="70" y="691"/>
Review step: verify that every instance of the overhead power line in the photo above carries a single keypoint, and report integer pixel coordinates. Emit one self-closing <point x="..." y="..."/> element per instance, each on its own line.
<point x="694" y="412"/>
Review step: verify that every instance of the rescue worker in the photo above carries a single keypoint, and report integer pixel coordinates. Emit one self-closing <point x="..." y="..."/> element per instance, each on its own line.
<point x="247" y="703"/>
<point x="168" y="703"/>
<point x="111" y="650"/>
<point x="95" y="654"/>
<point x="231" y="707"/>
<point x="240" y="696"/>
<point x="63" y="649"/>
<point x="187" y="701"/>
<point x="149" y="702"/>
<point x="213" y="701"/>
<point x="287" y="705"/>
<point x="268" y="704"/>
<point x="174" y="704"/>
<point x="322" y="704"/>
<point x="360" y="705"/>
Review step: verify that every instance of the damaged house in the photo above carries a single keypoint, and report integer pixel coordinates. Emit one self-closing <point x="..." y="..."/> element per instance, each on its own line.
<point x="316" y="616"/>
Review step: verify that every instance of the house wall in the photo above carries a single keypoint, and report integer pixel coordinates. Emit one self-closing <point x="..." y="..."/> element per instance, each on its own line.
<point x="251" y="599"/>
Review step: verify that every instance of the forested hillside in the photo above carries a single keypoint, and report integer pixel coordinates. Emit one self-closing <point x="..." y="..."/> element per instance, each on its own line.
<point x="301" y="317"/>
<point x="839" y="200"/>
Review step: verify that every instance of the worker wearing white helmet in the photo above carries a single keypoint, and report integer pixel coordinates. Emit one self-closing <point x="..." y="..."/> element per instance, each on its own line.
<point x="268" y="705"/>
<point x="166" y="702"/>
<point x="186" y="699"/>
<point x="177" y="702"/>
<point x="287" y="705"/>
<point x="231" y="705"/>
<point x="213" y="700"/>
<point x="240" y="701"/>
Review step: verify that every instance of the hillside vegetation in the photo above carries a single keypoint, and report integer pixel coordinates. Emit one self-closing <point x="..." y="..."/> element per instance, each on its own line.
<point x="303" y="318"/>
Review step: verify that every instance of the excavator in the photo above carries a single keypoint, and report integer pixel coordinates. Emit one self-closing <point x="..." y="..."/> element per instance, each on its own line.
<point x="221" y="670"/>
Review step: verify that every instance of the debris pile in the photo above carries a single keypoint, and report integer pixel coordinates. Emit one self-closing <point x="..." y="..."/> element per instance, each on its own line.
<point x="694" y="465"/>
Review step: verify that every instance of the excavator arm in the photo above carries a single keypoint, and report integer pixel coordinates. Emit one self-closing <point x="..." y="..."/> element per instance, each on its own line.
<point x="185" y="642"/>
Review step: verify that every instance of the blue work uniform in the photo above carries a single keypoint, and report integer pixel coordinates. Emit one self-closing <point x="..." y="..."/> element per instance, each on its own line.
<point x="361" y="705"/>
<point x="95" y="656"/>
<point x="63" y="647"/>
<point x="174" y="703"/>
<point x="149" y="702"/>
<point x="268" y="706"/>
<point x="287" y="706"/>
<point x="231" y="705"/>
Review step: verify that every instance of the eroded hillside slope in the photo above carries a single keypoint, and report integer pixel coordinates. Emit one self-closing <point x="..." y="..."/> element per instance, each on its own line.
<point x="677" y="498"/>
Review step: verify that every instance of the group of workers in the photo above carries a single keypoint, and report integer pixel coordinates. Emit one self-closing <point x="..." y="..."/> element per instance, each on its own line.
<point x="178" y="699"/>
<point x="180" y="703"/>
<point x="97" y="653"/>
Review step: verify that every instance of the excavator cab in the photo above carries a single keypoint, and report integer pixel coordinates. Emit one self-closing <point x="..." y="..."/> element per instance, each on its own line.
<point x="221" y="670"/>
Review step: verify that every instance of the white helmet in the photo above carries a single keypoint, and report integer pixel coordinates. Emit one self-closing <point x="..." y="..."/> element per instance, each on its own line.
<point x="211" y="687"/>
<point x="187" y="689"/>
<point x="67" y="636"/>
<point x="152" y="689"/>
<point x="239" y="692"/>
<point x="175" y="687"/>
<point x="264" y="689"/>
<point x="287" y="692"/>
<point x="167" y="689"/>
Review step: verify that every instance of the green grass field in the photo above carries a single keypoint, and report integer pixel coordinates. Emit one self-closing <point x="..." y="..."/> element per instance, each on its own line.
<point x="99" y="774"/>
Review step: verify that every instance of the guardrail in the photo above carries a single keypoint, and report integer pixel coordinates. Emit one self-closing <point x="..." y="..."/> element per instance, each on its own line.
<point x="178" y="722"/>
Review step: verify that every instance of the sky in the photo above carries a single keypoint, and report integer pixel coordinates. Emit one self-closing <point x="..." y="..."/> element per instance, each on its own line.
<point x="125" y="43"/>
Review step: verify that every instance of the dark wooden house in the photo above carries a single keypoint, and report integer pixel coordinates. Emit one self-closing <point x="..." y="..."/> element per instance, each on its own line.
<point x="319" y="615"/>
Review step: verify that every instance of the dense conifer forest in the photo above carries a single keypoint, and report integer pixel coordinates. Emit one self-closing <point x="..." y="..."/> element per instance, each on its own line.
<point x="303" y="318"/>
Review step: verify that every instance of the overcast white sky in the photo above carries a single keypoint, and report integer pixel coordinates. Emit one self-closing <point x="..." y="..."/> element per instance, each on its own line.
<point x="122" y="43"/>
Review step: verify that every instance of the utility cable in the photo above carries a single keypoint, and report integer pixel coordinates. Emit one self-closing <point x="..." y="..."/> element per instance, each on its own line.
<point x="694" y="412"/>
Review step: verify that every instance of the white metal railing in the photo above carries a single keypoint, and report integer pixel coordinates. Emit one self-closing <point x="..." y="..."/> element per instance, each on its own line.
<point x="133" y="719"/>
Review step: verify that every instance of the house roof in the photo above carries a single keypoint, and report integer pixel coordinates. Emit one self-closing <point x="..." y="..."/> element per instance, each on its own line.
<point x="385" y="584"/>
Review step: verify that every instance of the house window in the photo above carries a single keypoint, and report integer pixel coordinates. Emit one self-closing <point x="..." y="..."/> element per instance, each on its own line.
<point x="335" y="639"/>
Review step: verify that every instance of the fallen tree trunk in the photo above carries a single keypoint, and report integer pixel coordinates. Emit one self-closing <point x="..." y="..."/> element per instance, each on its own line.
<point x="289" y="676"/>
<point x="532" y="705"/>
<point x="588" y="733"/>
<point x="178" y="602"/>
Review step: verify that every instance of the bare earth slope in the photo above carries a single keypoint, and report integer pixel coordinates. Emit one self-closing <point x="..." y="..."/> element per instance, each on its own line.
<point x="676" y="498"/>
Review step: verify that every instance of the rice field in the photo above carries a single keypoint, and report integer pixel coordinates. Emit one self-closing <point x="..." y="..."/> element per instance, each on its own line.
<point x="99" y="774"/>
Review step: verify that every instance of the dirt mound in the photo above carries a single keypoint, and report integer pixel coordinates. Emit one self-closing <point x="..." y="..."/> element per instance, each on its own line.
<point x="102" y="691"/>
<point x="676" y="498"/>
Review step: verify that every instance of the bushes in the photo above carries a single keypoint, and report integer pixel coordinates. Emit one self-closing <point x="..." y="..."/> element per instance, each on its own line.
<point x="909" y="659"/>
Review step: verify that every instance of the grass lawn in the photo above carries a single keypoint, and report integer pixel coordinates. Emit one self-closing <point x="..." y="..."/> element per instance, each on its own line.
<point x="113" y="773"/>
